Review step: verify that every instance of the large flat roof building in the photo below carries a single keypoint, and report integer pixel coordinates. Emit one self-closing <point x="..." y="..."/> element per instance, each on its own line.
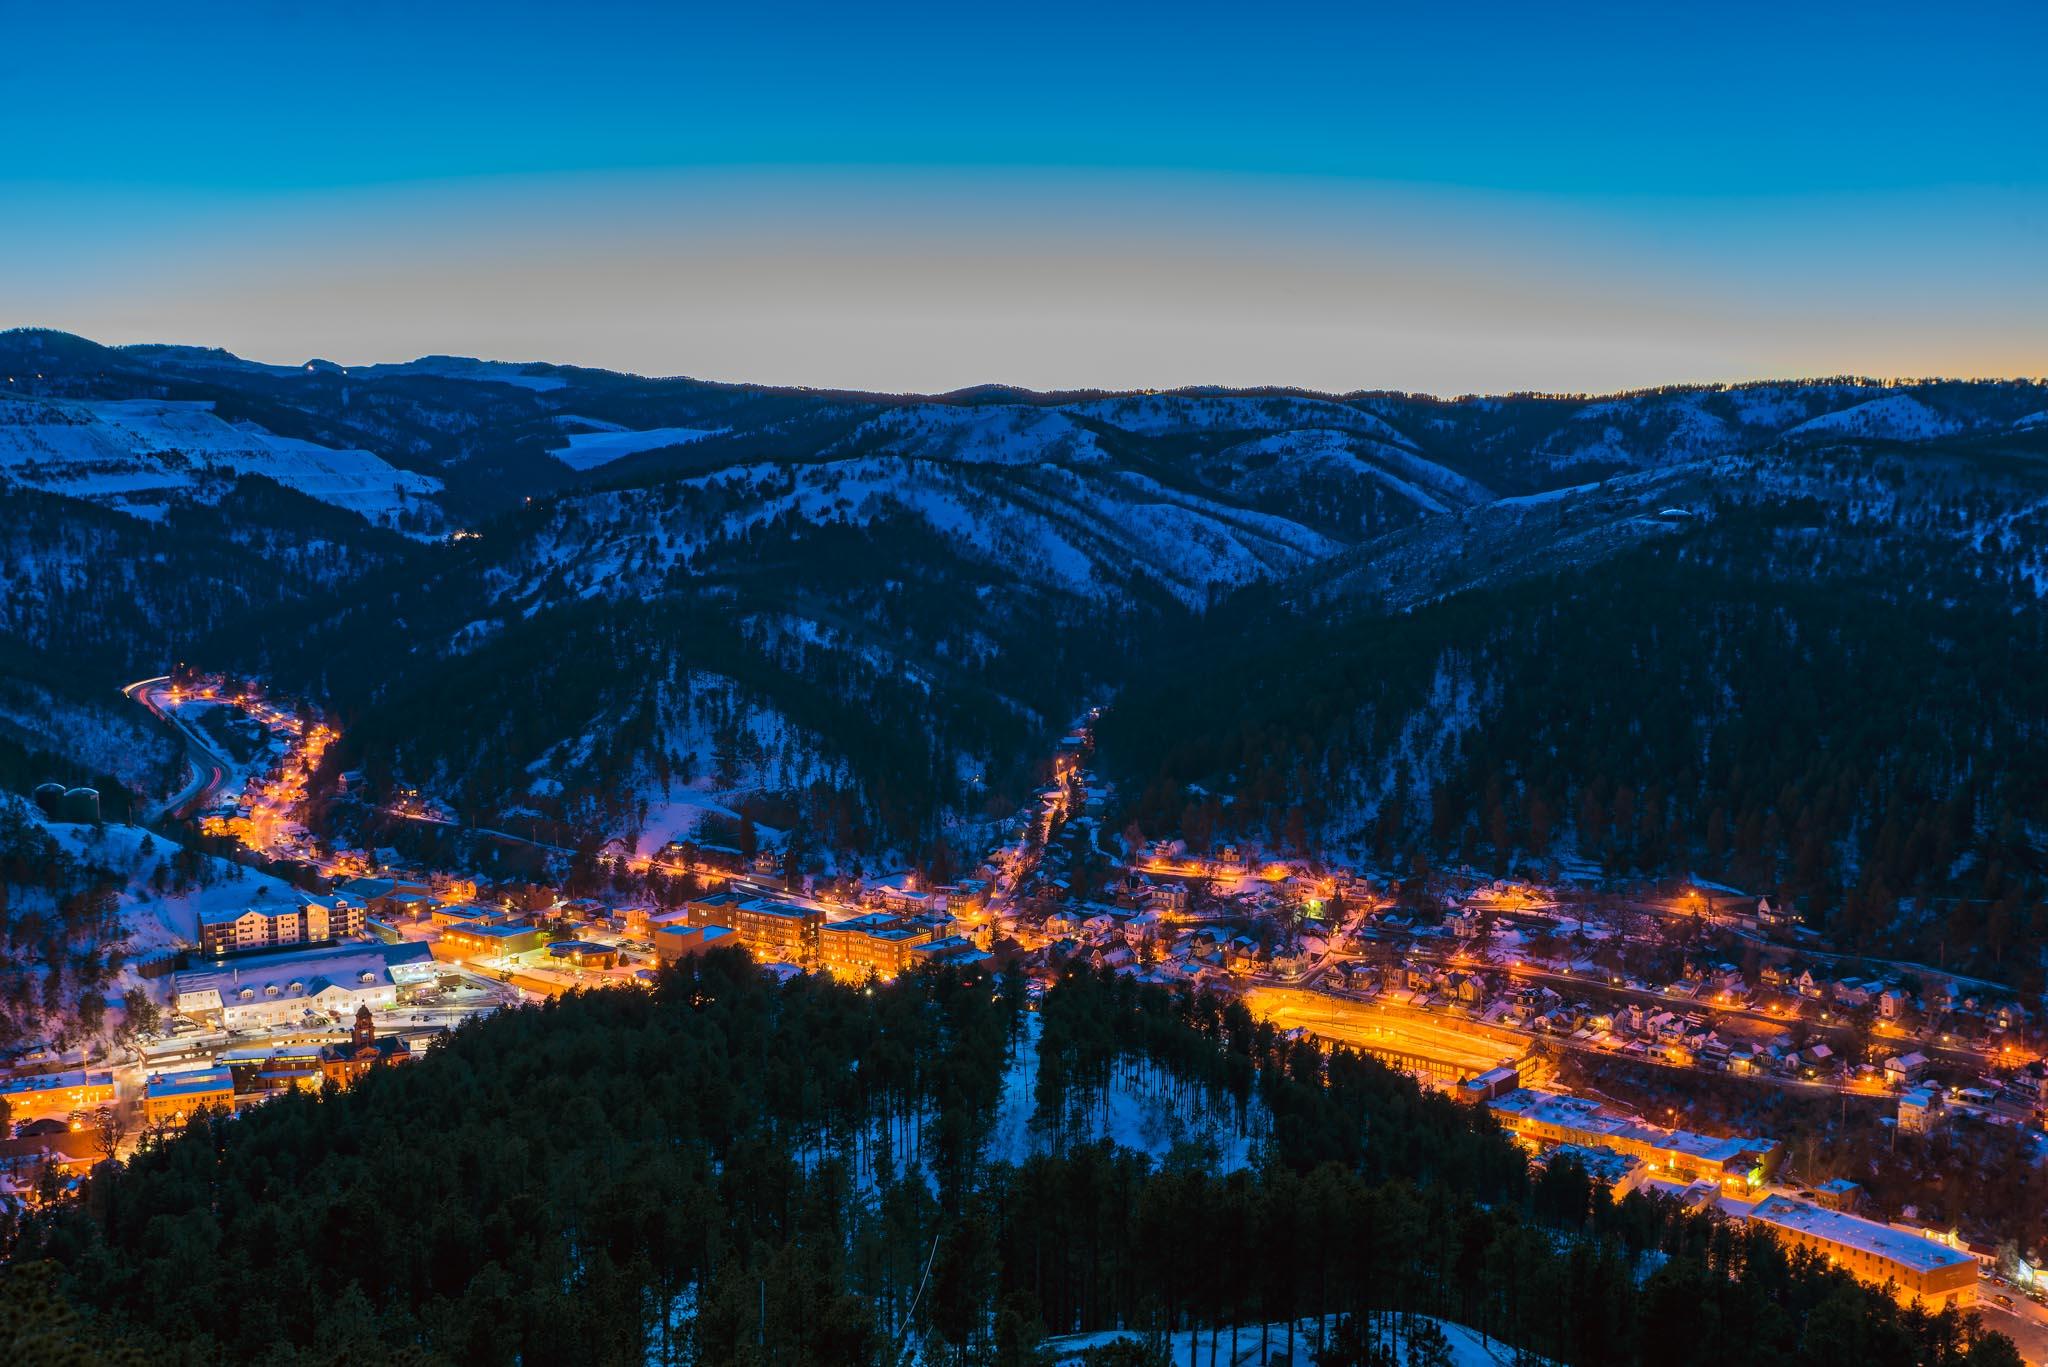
<point x="56" y="1094"/>
<point x="1917" y="1268"/>
<point x="280" y="989"/>
<point x="173" y="1098"/>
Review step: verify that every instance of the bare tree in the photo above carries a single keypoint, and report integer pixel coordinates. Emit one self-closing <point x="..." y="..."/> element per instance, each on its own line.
<point x="110" y="1128"/>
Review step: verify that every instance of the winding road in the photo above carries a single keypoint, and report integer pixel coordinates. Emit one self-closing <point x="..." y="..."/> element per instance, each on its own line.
<point x="209" y="767"/>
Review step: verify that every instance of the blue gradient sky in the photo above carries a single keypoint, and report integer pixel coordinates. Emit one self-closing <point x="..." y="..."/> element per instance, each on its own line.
<point x="1479" y="197"/>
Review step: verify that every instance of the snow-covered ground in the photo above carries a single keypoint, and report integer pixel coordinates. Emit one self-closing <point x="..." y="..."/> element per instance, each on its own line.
<point x="676" y="816"/>
<point x="133" y="454"/>
<point x="1134" y="1116"/>
<point x="1899" y="416"/>
<point x="588" y="450"/>
<point x="161" y="920"/>
<point x="106" y="739"/>
<point x="1264" y="1345"/>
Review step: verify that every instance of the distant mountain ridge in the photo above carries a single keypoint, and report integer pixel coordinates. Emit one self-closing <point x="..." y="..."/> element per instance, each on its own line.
<point x="624" y="598"/>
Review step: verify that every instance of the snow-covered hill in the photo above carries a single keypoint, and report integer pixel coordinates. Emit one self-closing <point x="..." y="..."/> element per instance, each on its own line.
<point x="136" y="455"/>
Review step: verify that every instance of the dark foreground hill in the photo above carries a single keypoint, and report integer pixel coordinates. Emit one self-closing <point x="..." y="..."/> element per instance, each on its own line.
<point x="727" y="1170"/>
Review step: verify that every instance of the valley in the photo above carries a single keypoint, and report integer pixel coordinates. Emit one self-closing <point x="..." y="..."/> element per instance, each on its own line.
<point x="1666" y="762"/>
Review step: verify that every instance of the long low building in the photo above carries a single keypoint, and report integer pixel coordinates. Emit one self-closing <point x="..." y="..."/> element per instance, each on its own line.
<point x="1916" y="1268"/>
<point x="680" y="942"/>
<point x="490" y="941"/>
<point x="281" y="989"/>
<point x="1545" y="1119"/>
<point x="56" y="1095"/>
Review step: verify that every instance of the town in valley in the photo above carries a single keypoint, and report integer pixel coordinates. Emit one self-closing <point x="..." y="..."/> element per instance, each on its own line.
<point x="1682" y="1037"/>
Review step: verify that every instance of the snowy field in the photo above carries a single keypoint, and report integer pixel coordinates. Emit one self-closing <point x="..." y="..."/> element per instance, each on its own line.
<point x="588" y="450"/>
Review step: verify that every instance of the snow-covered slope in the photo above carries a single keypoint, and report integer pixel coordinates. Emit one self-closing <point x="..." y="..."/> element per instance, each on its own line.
<point x="1093" y="530"/>
<point x="138" y="454"/>
<point x="588" y="450"/>
<point x="1899" y="417"/>
<point x="157" y="907"/>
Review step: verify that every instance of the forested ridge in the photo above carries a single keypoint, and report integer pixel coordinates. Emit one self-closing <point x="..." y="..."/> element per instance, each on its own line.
<point x="727" y="1169"/>
<point x="1782" y="698"/>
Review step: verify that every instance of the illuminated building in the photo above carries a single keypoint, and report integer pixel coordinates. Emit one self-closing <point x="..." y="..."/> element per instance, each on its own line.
<point x="876" y="943"/>
<point x="490" y="941"/>
<point x="1920" y="1110"/>
<point x="584" y="954"/>
<point x="173" y="1098"/>
<point x="1545" y="1119"/>
<point x="772" y="931"/>
<point x="1918" y="1268"/>
<point x="680" y="942"/>
<point x="260" y="1072"/>
<point x="56" y="1094"/>
<point x="342" y="1064"/>
<point x="284" y="989"/>
<point x="315" y="920"/>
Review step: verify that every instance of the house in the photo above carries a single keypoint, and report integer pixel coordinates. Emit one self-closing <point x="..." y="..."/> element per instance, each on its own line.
<point x="1168" y="899"/>
<point x="1063" y="923"/>
<point x="2030" y="1080"/>
<point x="583" y="954"/>
<point x="1920" y="1110"/>
<point x="1838" y="1193"/>
<point x="1468" y="989"/>
<point x="1891" y="1004"/>
<point x="1241" y="954"/>
<point x="1901" y="1069"/>
<point x="1780" y="913"/>
<point x="66" y="1151"/>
